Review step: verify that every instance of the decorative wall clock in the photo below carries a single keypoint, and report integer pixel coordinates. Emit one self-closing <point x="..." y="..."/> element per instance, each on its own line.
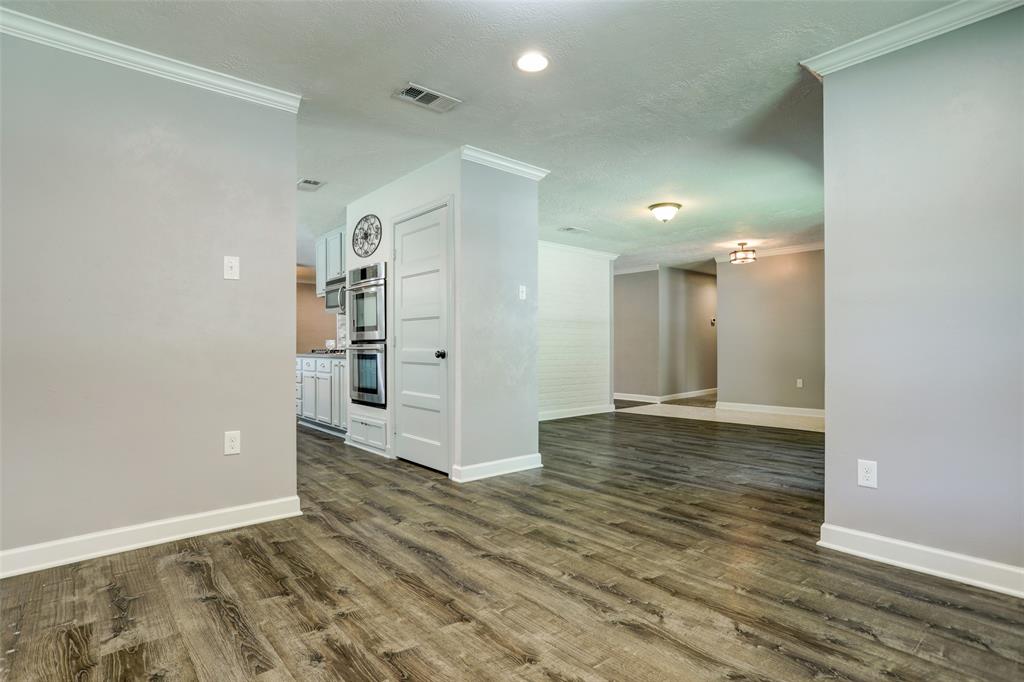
<point x="366" y="236"/>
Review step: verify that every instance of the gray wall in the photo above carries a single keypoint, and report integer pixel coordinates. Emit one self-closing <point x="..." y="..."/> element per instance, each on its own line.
<point x="636" y="346"/>
<point x="771" y="331"/>
<point x="496" y="252"/>
<point x="688" y="301"/>
<point x="125" y="354"/>
<point x="924" y="218"/>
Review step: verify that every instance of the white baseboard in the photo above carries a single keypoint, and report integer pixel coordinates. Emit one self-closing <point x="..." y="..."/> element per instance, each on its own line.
<point x="575" y="412"/>
<point x="771" y="409"/>
<point x="663" y="398"/>
<point x="91" y="545"/>
<point x="637" y="397"/>
<point x="688" y="394"/>
<point x="990" y="575"/>
<point x="474" y="472"/>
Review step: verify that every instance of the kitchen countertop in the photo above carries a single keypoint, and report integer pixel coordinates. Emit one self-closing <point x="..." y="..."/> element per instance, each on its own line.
<point x="330" y="356"/>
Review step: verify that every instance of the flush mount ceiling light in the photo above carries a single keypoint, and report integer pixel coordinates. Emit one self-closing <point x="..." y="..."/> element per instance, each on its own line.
<point x="742" y="255"/>
<point x="665" y="211"/>
<point x="532" y="62"/>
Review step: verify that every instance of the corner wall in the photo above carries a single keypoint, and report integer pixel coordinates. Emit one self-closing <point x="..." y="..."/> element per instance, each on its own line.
<point x="924" y="218"/>
<point x="574" y="295"/>
<point x="126" y="355"/>
<point x="771" y="331"/>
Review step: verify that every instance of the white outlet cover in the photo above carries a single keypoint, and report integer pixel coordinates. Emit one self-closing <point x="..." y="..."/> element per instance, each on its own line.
<point x="799" y="383"/>
<point x="522" y="292"/>
<point x="232" y="442"/>
<point x="232" y="267"/>
<point x="867" y="473"/>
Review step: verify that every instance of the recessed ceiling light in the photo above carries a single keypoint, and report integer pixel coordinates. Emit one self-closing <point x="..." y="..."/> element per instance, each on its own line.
<point x="665" y="211"/>
<point x="532" y="62"/>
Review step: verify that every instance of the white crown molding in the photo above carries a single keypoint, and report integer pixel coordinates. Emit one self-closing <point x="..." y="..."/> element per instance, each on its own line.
<point x="53" y="35"/>
<point x="990" y="575"/>
<point x="579" y="250"/>
<point x="503" y="163"/>
<point x="781" y="251"/>
<point x="499" y="467"/>
<point x="935" y="23"/>
<point x="28" y="558"/>
<point x="633" y="271"/>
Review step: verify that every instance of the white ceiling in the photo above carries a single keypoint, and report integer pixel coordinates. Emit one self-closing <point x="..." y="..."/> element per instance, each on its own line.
<point x="697" y="102"/>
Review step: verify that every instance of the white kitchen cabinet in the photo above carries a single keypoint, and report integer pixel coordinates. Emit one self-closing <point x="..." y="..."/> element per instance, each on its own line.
<point x="323" y="398"/>
<point x="321" y="266"/>
<point x="308" y="395"/>
<point x="339" y="399"/>
<point x="368" y="431"/>
<point x="334" y="244"/>
<point x="330" y="258"/>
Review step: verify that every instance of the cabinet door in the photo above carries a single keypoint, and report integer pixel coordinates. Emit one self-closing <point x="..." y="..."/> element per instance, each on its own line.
<point x="335" y="398"/>
<point x="342" y="394"/>
<point x="309" y="396"/>
<point x="323" y="398"/>
<point x="321" y="266"/>
<point x="334" y="246"/>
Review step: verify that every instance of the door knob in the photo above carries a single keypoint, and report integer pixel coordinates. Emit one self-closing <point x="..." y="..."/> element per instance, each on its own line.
<point x="440" y="354"/>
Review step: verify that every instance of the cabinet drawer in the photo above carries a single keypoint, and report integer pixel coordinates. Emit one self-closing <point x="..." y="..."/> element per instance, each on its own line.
<point x="323" y="365"/>
<point x="308" y="364"/>
<point x="368" y="431"/>
<point x="298" y="363"/>
<point x="298" y="407"/>
<point x="298" y="391"/>
<point x="298" y="377"/>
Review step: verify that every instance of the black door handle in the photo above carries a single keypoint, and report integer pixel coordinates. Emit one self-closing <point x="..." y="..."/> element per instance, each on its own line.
<point x="440" y="354"/>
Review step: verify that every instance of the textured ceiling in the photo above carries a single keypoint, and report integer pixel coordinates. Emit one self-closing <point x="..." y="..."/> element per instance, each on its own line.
<point x="697" y="102"/>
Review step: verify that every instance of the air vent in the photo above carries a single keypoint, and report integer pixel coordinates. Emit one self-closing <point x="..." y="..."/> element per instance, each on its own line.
<point x="427" y="98"/>
<point x="573" y="230"/>
<point x="307" y="185"/>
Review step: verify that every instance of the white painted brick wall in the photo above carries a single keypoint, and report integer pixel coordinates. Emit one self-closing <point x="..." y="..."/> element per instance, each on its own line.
<point x="574" y="307"/>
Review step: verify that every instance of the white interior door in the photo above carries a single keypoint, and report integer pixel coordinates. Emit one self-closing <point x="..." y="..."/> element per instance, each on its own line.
<point x="421" y="339"/>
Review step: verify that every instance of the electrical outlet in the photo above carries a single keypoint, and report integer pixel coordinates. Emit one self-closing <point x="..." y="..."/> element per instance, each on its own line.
<point x="232" y="267"/>
<point x="232" y="442"/>
<point x="522" y="292"/>
<point x="799" y="383"/>
<point x="867" y="473"/>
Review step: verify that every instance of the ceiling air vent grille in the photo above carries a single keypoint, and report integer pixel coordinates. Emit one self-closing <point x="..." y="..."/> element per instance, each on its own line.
<point x="307" y="185"/>
<point x="427" y="98"/>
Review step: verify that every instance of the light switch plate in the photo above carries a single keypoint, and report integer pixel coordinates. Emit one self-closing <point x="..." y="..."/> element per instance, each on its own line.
<point x="232" y="267"/>
<point x="799" y="383"/>
<point x="867" y="473"/>
<point x="232" y="442"/>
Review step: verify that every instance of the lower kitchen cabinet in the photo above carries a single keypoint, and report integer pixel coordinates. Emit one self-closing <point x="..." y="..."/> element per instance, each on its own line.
<point x="321" y="391"/>
<point x="323" y="398"/>
<point x="308" y="395"/>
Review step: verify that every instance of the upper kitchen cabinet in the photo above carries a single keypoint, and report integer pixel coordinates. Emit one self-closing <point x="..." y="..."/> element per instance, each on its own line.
<point x="330" y="258"/>
<point x="335" y="245"/>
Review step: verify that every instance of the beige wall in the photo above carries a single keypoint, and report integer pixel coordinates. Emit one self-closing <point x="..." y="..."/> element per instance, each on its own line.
<point x="664" y="341"/>
<point x="636" y="333"/>
<point x="313" y="324"/>
<point x="126" y="354"/>
<point x="690" y="348"/>
<point x="771" y="331"/>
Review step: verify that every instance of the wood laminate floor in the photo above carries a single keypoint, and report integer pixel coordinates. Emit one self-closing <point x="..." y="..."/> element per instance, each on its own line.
<point x="707" y="400"/>
<point x="647" y="548"/>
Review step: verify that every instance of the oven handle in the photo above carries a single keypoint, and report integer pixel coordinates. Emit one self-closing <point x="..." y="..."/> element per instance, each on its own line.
<point x="369" y="284"/>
